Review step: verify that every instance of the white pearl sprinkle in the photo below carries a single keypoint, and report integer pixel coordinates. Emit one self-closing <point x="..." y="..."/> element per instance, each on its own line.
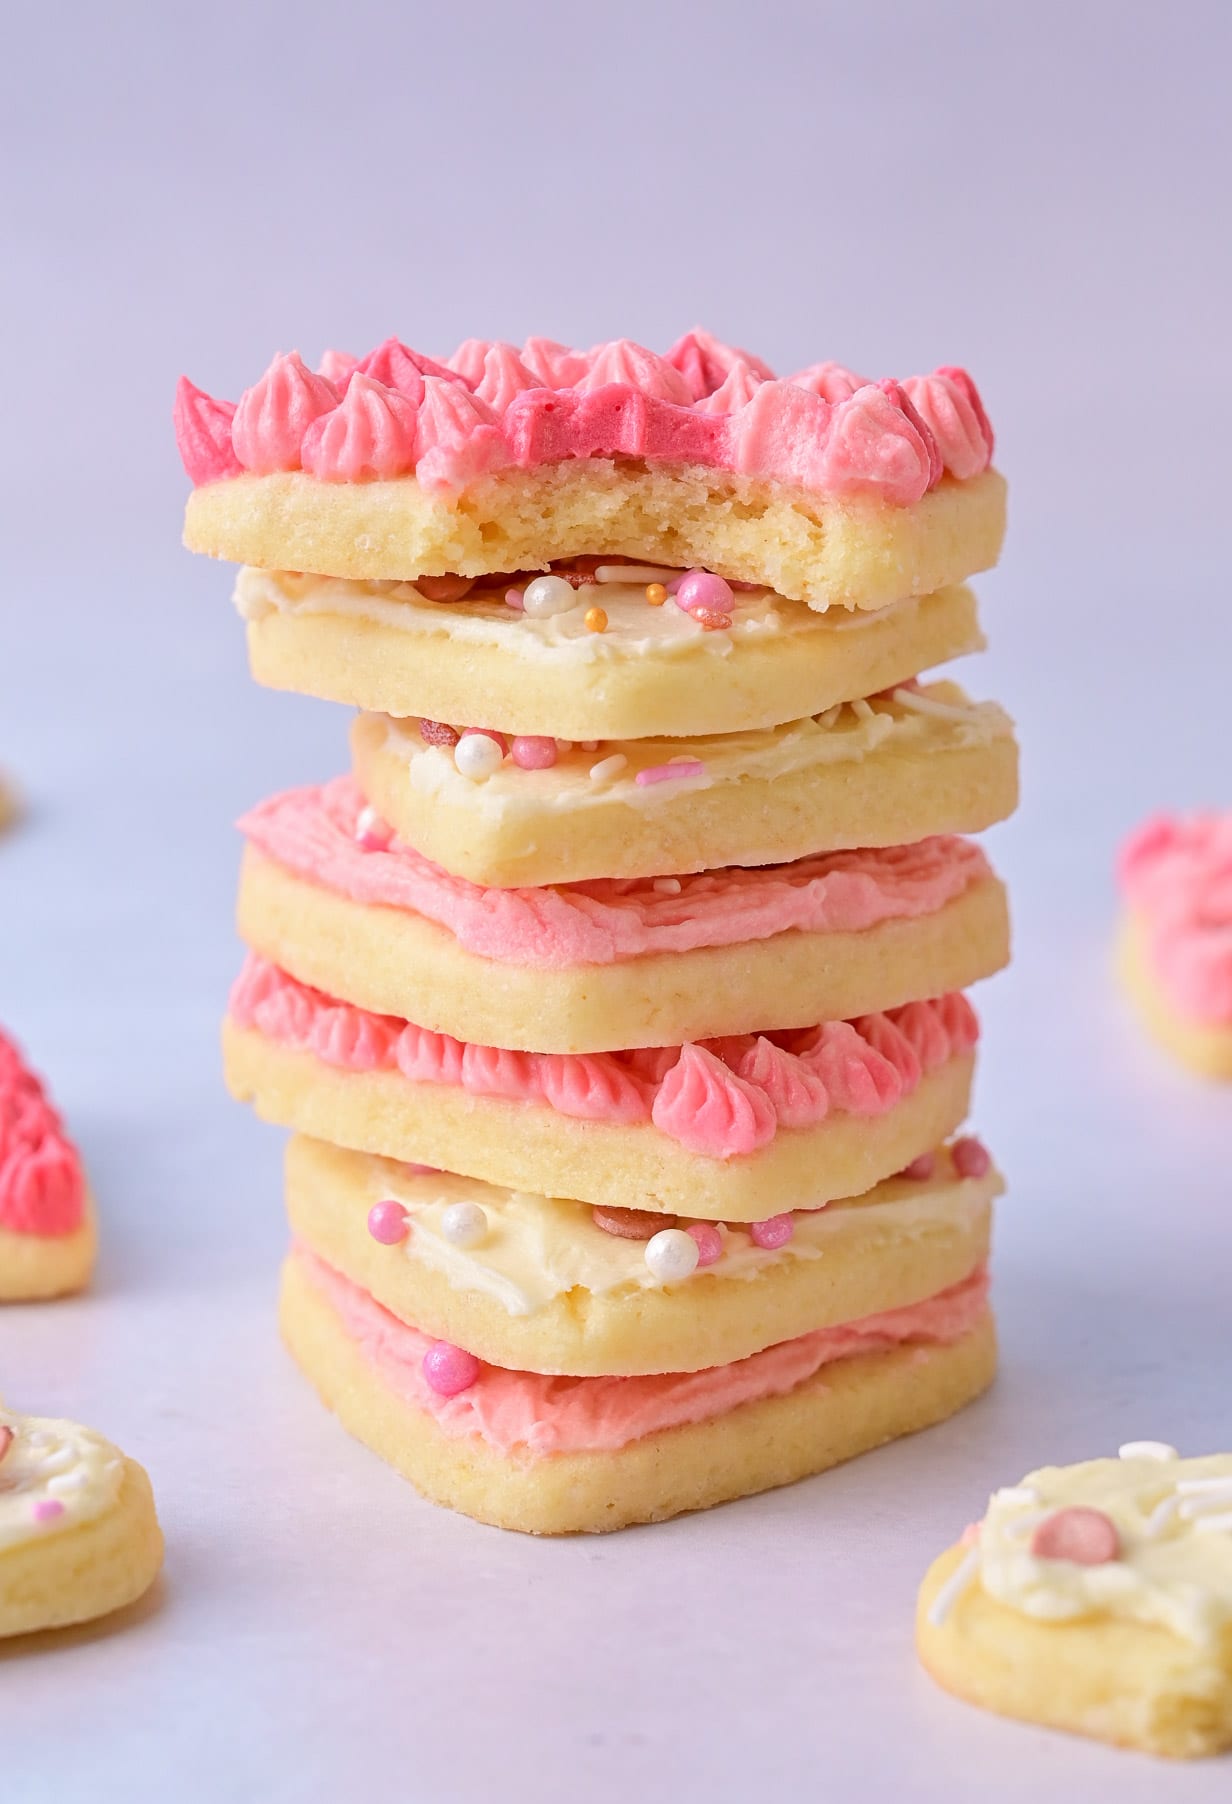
<point x="367" y="821"/>
<point x="548" y="595"/>
<point x="464" y="1225"/>
<point x="477" y="756"/>
<point x="1159" y="1450"/>
<point x="667" y="886"/>
<point x="672" y="1255"/>
<point x="608" y="767"/>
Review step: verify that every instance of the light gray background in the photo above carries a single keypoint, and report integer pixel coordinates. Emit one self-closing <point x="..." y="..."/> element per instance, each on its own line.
<point x="1038" y="191"/>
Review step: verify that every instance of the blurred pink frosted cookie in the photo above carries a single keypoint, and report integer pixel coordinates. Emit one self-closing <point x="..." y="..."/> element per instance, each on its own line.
<point x="823" y="486"/>
<point x="1175" y="951"/>
<point x="47" y="1232"/>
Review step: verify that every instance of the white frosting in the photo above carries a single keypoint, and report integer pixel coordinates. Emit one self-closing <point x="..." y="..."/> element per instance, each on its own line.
<point x="846" y="733"/>
<point x="1175" y="1528"/>
<point x="634" y="628"/>
<point x="50" y="1463"/>
<point x="538" y="1248"/>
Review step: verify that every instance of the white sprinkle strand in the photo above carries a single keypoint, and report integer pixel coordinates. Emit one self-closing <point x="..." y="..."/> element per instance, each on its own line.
<point x="861" y="709"/>
<point x="1016" y="1494"/>
<point x="636" y="573"/>
<point x="1197" y="1487"/>
<point x="1161" y="1516"/>
<point x="1159" y="1450"/>
<point x="954" y="1587"/>
<point x="608" y="767"/>
<point x="830" y="716"/>
<point x="1214" y="1525"/>
<point x="1193" y="1507"/>
<point x="927" y="704"/>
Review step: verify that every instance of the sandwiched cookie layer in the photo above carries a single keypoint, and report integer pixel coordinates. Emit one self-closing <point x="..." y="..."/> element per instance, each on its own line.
<point x="560" y="1456"/>
<point x="537" y="1283"/>
<point x="874" y="773"/>
<point x="334" y="901"/>
<point x="708" y="1131"/>
<point x="650" y="670"/>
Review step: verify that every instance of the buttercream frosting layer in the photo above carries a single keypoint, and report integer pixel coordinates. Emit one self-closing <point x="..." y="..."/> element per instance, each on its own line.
<point x="1176" y="874"/>
<point x="314" y="832"/>
<point x="720" y="1099"/>
<point x="54" y="1476"/>
<point x="536" y="1415"/>
<point x="397" y="412"/>
<point x="1167" y="1562"/>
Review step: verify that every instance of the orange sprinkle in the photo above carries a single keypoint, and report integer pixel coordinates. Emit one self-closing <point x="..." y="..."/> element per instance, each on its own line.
<point x="595" y="620"/>
<point x="656" y="594"/>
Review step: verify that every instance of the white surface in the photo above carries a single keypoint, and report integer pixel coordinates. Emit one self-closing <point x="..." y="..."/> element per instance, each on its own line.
<point x="1033" y="190"/>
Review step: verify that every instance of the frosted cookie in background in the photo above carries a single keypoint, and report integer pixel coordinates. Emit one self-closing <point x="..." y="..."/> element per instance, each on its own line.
<point x="79" y="1536"/>
<point x="47" y="1230"/>
<point x="1175" y="945"/>
<point x="1096" y="1598"/>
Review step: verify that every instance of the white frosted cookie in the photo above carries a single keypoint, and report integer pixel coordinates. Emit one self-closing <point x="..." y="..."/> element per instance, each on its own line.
<point x="549" y="1285"/>
<point x="1096" y="1598"/>
<point x="701" y="1130"/>
<point x="649" y="669"/>
<point x="79" y="1537"/>
<point x="328" y="895"/>
<point x="873" y="773"/>
<point x="552" y="1455"/>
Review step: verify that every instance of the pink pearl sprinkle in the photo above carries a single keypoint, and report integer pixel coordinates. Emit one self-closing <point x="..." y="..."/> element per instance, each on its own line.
<point x="387" y="1223"/>
<point x="513" y="599"/>
<point x="701" y="589"/>
<point x="920" y="1168"/>
<point x="663" y="773"/>
<point x="709" y="1241"/>
<point x="47" y="1509"/>
<point x="533" y="752"/>
<point x="421" y="1171"/>
<point x="448" y="1369"/>
<point x="775" y="1231"/>
<point x="971" y="1157"/>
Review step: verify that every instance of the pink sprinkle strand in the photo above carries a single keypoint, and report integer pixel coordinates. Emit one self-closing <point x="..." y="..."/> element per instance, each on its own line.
<point x="47" y="1509"/>
<point x="531" y="751"/>
<point x="772" y="1233"/>
<point x="663" y="773"/>
<point x="513" y="599"/>
<point x="449" y="1369"/>
<point x="971" y="1157"/>
<point x="387" y="1223"/>
<point x="709" y="1241"/>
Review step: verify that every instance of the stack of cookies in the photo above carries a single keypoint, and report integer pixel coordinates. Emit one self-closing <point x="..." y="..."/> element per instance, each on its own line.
<point x="616" y="996"/>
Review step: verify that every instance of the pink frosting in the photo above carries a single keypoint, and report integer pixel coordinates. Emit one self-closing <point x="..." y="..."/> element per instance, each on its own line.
<point x="1176" y="872"/>
<point x="272" y="418"/>
<point x="533" y="1413"/>
<point x="721" y="1098"/>
<point x="824" y="430"/>
<point x="42" y="1185"/>
<point x="312" y="832"/>
<point x="370" y="433"/>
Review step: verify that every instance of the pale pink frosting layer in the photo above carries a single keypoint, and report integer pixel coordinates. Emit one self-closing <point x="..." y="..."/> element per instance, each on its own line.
<point x="722" y="1098"/>
<point x="493" y="406"/>
<point x="530" y="1412"/>
<point x="1176" y="873"/>
<point x="312" y="832"/>
<point x="42" y="1186"/>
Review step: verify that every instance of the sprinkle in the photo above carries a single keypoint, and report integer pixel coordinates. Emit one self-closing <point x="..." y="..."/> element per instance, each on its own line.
<point x="954" y="1587"/>
<point x="920" y="1169"/>
<point x="830" y="716"/>
<point x="711" y="621"/>
<point x="706" y="596"/>
<point x="862" y="709"/>
<point x="970" y="1157"/>
<point x="656" y="594"/>
<point x="709" y="1241"/>
<point x="465" y="1225"/>
<point x="667" y="886"/>
<point x="388" y="1223"/>
<point x="672" y="1255"/>
<point x="772" y="1233"/>
<point x="532" y="751"/>
<point x="588" y="745"/>
<point x="654" y="574"/>
<point x="1202" y="1505"/>
<point x="970" y="1536"/>
<point x="513" y="599"/>
<point x="444" y="588"/>
<point x="449" y="1369"/>
<point x="608" y="767"/>
<point x="1079" y="1534"/>
<point x="630" y="1224"/>
<point x="1194" y="1487"/>
<point x="371" y="833"/>
<point x="1016" y="1494"/>
<point x="479" y="754"/>
<point x="47" y="1509"/>
<point x="1161" y="1516"/>
<point x="663" y="773"/>
<point x="595" y="620"/>
<point x="1159" y="1450"/>
<point x="1213" y="1525"/>
<point x="435" y="732"/>
<point x="548" y="595"/>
